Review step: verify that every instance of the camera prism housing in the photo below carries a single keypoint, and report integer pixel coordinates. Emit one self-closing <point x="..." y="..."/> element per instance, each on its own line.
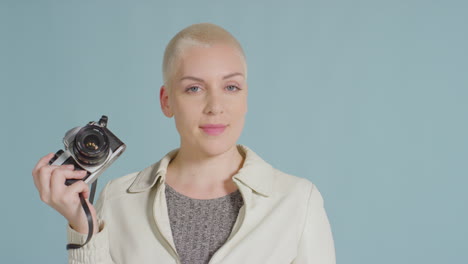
<point x="92" y="148"/>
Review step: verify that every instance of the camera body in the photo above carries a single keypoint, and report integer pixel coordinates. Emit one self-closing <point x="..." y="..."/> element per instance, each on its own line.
<point x="92" y="148"/>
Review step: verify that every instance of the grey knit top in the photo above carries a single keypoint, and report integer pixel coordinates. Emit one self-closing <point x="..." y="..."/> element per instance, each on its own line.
<point x="200" y="227"/>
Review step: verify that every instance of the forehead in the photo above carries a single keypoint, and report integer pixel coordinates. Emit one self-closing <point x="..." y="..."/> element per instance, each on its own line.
<point x="215" y="58"/>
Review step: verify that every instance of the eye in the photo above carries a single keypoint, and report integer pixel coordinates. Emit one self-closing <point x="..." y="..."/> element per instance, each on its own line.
<point x="192" y="89"/>
<point x="232" y="88"/>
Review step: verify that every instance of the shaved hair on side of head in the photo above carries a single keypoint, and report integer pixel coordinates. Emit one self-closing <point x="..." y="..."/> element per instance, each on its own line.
<point x="202" y="34"/>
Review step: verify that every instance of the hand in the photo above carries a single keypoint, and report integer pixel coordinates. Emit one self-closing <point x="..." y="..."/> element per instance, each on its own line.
<point x="50" y="182"/>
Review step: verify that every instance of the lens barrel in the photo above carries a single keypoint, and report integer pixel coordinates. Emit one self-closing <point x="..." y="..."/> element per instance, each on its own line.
<point x="91" y="145"/>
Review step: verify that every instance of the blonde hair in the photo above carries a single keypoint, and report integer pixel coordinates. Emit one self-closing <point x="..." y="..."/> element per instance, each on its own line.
<point x="202" y="34"/>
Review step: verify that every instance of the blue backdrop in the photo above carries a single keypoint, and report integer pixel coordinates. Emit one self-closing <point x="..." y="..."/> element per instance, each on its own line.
<point x="366" y="98"/>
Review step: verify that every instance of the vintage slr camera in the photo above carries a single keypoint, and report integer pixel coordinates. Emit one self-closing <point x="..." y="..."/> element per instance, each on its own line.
<point x="92" y="148"/>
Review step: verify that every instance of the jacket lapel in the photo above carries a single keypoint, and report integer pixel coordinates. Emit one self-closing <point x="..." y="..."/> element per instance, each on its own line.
<point x="255" y="173"/>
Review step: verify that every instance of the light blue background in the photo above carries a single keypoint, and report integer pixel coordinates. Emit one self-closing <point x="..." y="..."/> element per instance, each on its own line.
<point x="367" y="99"/>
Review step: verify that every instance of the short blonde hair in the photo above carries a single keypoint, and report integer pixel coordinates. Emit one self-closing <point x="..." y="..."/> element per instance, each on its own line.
<point x="202" y="34"/>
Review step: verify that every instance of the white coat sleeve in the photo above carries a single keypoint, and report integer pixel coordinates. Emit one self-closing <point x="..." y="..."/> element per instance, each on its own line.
<point x="316" y="245"/>
<point x="97" y="249"/>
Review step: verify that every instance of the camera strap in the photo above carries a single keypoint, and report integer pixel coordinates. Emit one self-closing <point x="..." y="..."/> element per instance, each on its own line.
<point x="89" y="217"/>
<point x="93" y="190"/>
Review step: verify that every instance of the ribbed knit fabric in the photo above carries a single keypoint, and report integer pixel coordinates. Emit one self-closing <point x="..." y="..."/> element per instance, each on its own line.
<point x="200" y="227"/>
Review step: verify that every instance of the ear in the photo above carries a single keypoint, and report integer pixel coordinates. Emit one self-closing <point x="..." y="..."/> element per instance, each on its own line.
<point x="164" y="101"/>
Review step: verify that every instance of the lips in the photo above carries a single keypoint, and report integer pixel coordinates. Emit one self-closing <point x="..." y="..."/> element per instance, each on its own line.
<point x="213" y="126"/>
<point x="213" y="129"/>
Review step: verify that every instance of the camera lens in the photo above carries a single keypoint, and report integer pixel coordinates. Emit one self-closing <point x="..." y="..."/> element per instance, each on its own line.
<point x="91" y="142"/>
<point x="91" y="145"/>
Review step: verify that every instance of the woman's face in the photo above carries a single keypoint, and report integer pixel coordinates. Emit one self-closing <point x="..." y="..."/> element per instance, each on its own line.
<point x="208" y="88"/>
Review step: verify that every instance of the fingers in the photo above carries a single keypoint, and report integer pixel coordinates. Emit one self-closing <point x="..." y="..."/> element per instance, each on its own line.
<point x="41" y="169"/>
<point x="61" y="196"/>
<point x="79" y="187"/>
<point x="42" y="181"/>
<point x="60" y="175"/>
<point x="43" y="161"/>
<point x="50" y="179"/>
<point x="50" y="182"/>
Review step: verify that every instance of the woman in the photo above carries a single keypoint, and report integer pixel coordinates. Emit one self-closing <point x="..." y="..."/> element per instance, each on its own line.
<point x="211" y="200"/>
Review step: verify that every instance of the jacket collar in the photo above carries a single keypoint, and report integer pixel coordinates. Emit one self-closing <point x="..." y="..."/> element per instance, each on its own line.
<point x="255" y="173"/>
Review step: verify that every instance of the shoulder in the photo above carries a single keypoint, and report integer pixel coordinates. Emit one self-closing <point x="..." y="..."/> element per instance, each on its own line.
<point x="298" y="193"/>
<point x="285" y="183"/>
<point x="269" y="180"/>
<point x="291" y="186"/>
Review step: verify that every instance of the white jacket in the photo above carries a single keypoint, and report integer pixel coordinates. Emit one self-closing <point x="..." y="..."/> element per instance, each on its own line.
<point x="282" y="220"/>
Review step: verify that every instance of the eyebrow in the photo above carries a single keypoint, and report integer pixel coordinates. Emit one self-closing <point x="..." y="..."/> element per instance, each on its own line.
<point x="201" y="80"/>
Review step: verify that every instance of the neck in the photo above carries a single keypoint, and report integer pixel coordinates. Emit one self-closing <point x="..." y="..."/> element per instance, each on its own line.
<point x="202" y="171"/>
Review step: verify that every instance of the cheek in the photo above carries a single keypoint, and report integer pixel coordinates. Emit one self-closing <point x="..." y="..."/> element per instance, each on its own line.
<point x="185" y="113"/>
<point x="238" y="112"/>
<point x="240" y="109"/>
<point x="238" y="124"/>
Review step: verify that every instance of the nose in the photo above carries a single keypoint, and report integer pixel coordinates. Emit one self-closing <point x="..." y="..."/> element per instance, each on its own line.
<point x="214" y="104"/>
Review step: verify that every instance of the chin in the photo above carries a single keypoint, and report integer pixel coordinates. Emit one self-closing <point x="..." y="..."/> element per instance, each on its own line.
<point x="211" y="145"/>
<point x="216" y="147"/>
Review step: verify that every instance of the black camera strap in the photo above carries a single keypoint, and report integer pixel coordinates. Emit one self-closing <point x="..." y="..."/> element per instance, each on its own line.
<point x="93" y="190"/>
<point x="85" y="206"/>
